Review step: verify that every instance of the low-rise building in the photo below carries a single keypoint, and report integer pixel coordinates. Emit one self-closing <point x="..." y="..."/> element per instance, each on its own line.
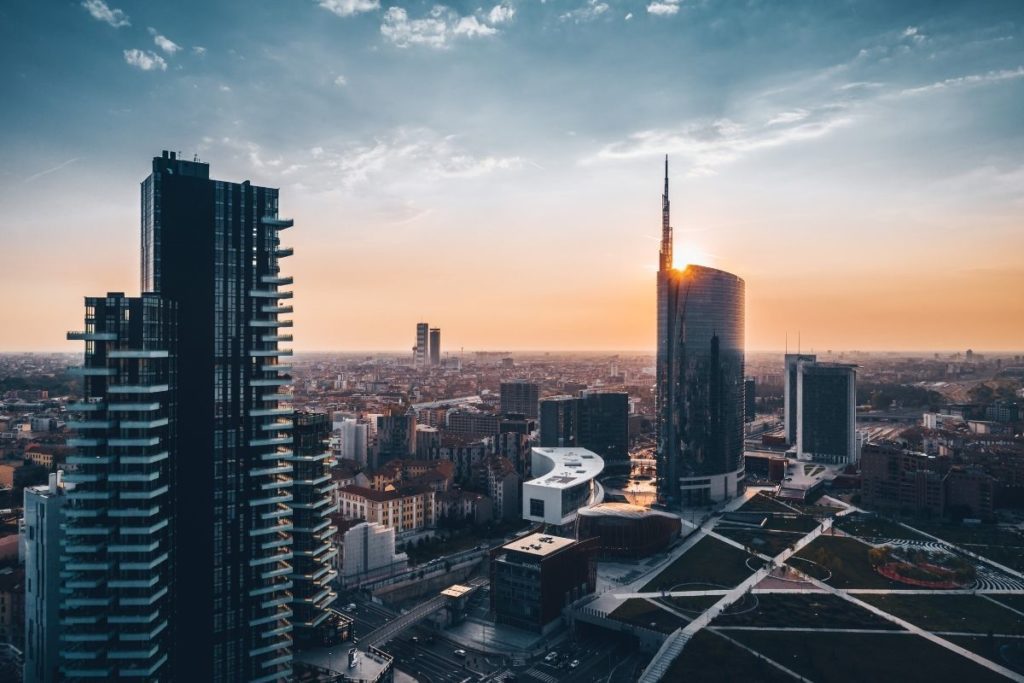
<point x="564" y="481"/>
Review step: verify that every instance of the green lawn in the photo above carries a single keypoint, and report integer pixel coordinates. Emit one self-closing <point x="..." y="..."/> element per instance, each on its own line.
<point x="763" y="541"/>
<point x="710" y="658"/>
<point x="1015" y="601"/>
<point x="825" y="657"/>
<point x="806" y="611"/>
<point x="873" y="526"/>
<point x="949" y="612"/>
<point x="710" y="561"/>
<point x="762" y="503"/>
<point x="847" y="559"/>
<point x="803" y="523"/>
<point x="641" y="612"/>
<point x="1006" y="651"/>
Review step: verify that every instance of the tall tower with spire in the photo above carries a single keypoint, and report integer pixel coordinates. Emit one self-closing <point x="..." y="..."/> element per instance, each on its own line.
<point x="700" y="371"/>
<point x="665" y="254"/>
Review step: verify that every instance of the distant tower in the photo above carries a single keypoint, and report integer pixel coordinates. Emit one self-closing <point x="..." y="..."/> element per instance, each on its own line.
<point x="700" y="408"/>
<point x="435" y="345"/>
<point x="789" y="408"/>
<point x="827" y="412"/>
<point x="420" y="350"/>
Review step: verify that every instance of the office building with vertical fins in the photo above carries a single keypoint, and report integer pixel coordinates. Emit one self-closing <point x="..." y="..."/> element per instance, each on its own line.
<point x="179" y="562"/>
<point x="699" y="376"/>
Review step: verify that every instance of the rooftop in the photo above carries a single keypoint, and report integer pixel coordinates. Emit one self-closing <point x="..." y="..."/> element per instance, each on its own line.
<point x="539" y="544"/>
<point x="568" y="467"/>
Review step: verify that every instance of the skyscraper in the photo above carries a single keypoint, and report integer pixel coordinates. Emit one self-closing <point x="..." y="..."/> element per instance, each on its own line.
<point x="185" y="455"/>
<point x="520" y="396"/>
<point x="699" y="379"/>
<point x="792" y="360"/>
<point x="117" y="562"/>
<point x="422" y="341"/>
<point x="559" y="421"/>
<point x="595" y="420"/>
<point x="826" y="412"/>
<point x="435" y="345"/>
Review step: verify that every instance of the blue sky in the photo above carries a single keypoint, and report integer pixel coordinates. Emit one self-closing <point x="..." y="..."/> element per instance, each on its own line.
<point x="495" y="168"/>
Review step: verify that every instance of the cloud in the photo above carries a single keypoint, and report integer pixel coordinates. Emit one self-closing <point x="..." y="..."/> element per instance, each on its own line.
<point x="499" y="14"/>
<point x="710" y="144"/>
<point x="629" y="15"/>
<point x="340" y="81"/>
<point x="346" y="8"/>
<point x="663" y="8"/>
<point x="163" y="42"/>
<point x="408" y="153"/>
<point x="199" y="50"/>
<point x="788" y="117"/>
<point x="40" y="174"/>
<point x="145" y="60"/>
<point x="588" y="12"/>
<point x="436" y="29"/>
<point x="914" y="35"/>
<point x="961" y="81"/>
<point x="102" y="12"/>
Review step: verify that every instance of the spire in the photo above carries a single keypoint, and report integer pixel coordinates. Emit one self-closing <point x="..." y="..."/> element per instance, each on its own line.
<point x="665" y="255"/>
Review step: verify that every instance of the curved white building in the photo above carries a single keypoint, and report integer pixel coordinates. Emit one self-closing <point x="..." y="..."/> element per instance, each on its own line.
<point x="564" y="482"/>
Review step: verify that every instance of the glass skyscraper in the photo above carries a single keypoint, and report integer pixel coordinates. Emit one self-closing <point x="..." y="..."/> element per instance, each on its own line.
<point x="196" y="461"/>
<point x="700" y="371"/>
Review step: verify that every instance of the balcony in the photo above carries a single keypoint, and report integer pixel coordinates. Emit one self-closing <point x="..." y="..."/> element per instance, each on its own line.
<point x="278" y="223"/>
<point x="282" y="252"/>
<point x="270" y="323"/>
<point x="277" y="309"/>
<point x="269" y="294"/>
<point x="270" y="353"/>
<point x="276" y="279"/>
<point x="80" y="335"/>
<point x="92" y="372"/>
<point x="276" y="338"/>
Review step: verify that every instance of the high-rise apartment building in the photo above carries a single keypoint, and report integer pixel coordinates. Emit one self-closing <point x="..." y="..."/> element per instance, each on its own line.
<point x="700" y="366"/>
<point x="826" y="412"/>
<point x="750" y="399"/>
<point x="43" y="538"/>
<point x="313" y="572"/>
<point x="117" y="561"/>
<point x="184" y="459"/>
<point x="792" y="361"/>
<point x="520" y="396"/>
<point x="421" y="349"/>
<point x="435" y="346"/>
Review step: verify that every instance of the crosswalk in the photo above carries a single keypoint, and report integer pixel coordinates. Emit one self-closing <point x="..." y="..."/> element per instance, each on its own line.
<point x="537" y="674"/>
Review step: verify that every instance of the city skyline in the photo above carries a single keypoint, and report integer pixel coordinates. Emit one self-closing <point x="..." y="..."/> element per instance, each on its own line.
<point x="858" y="165"/>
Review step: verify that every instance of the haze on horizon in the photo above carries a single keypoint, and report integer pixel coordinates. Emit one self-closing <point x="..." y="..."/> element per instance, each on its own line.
<point x="495" y="169"/>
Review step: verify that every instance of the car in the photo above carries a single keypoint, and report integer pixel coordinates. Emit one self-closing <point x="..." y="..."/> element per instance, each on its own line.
<point x="551" y="656"/>
<point x="350" y="607"/>
<point x="459" y="653"/>
<point x="574" y="663"/>
<point x="415" y="639"/>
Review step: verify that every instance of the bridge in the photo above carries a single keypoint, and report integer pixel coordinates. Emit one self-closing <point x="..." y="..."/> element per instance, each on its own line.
<point x="398" y="625"/>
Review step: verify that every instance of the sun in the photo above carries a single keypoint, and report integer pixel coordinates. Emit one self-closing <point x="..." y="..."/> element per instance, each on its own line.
<point x="689" y="255"/>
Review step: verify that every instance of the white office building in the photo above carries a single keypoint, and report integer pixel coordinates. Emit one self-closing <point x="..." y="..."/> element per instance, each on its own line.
<point x="564" y="481"/>
<point x="368" y="554"/>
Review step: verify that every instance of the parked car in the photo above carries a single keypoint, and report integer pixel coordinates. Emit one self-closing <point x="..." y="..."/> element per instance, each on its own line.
<point x="574" y="663"/>
<point x="551" y="656"/>
<point x="459" y="653"/>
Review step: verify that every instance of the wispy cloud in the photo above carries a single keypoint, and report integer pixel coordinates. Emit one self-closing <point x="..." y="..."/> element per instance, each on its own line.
<point x="710" y="144"/>
<point x="103" y="12"/>
<point x="961" y="81"/>
<point x="436" y="29"/>
<point x="340" y="81"/>
<point x="145" y="60"/>
<point x="663" y="8"/>
<point x="37" y="176"/>
<point x="588" y="12"/>
<point x="346" y="8"/>
<point x="199" y="51"/>
<point x="163" y="42"/>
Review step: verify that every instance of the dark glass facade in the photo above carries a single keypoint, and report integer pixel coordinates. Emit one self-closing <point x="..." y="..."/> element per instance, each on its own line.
<point x="700" y="371"/>
<point x="597" y="421"/>
<point x="520" y="397"/>
<point x="117" y="576"/>
<point x="212" y="247"/>
<point x="827" y="412"/>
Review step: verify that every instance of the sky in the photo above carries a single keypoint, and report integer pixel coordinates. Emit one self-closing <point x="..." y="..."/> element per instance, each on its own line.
<point x="496" y="169"/>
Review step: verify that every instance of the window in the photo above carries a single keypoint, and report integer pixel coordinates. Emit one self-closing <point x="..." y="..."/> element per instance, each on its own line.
<point x="536" y="507"/>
